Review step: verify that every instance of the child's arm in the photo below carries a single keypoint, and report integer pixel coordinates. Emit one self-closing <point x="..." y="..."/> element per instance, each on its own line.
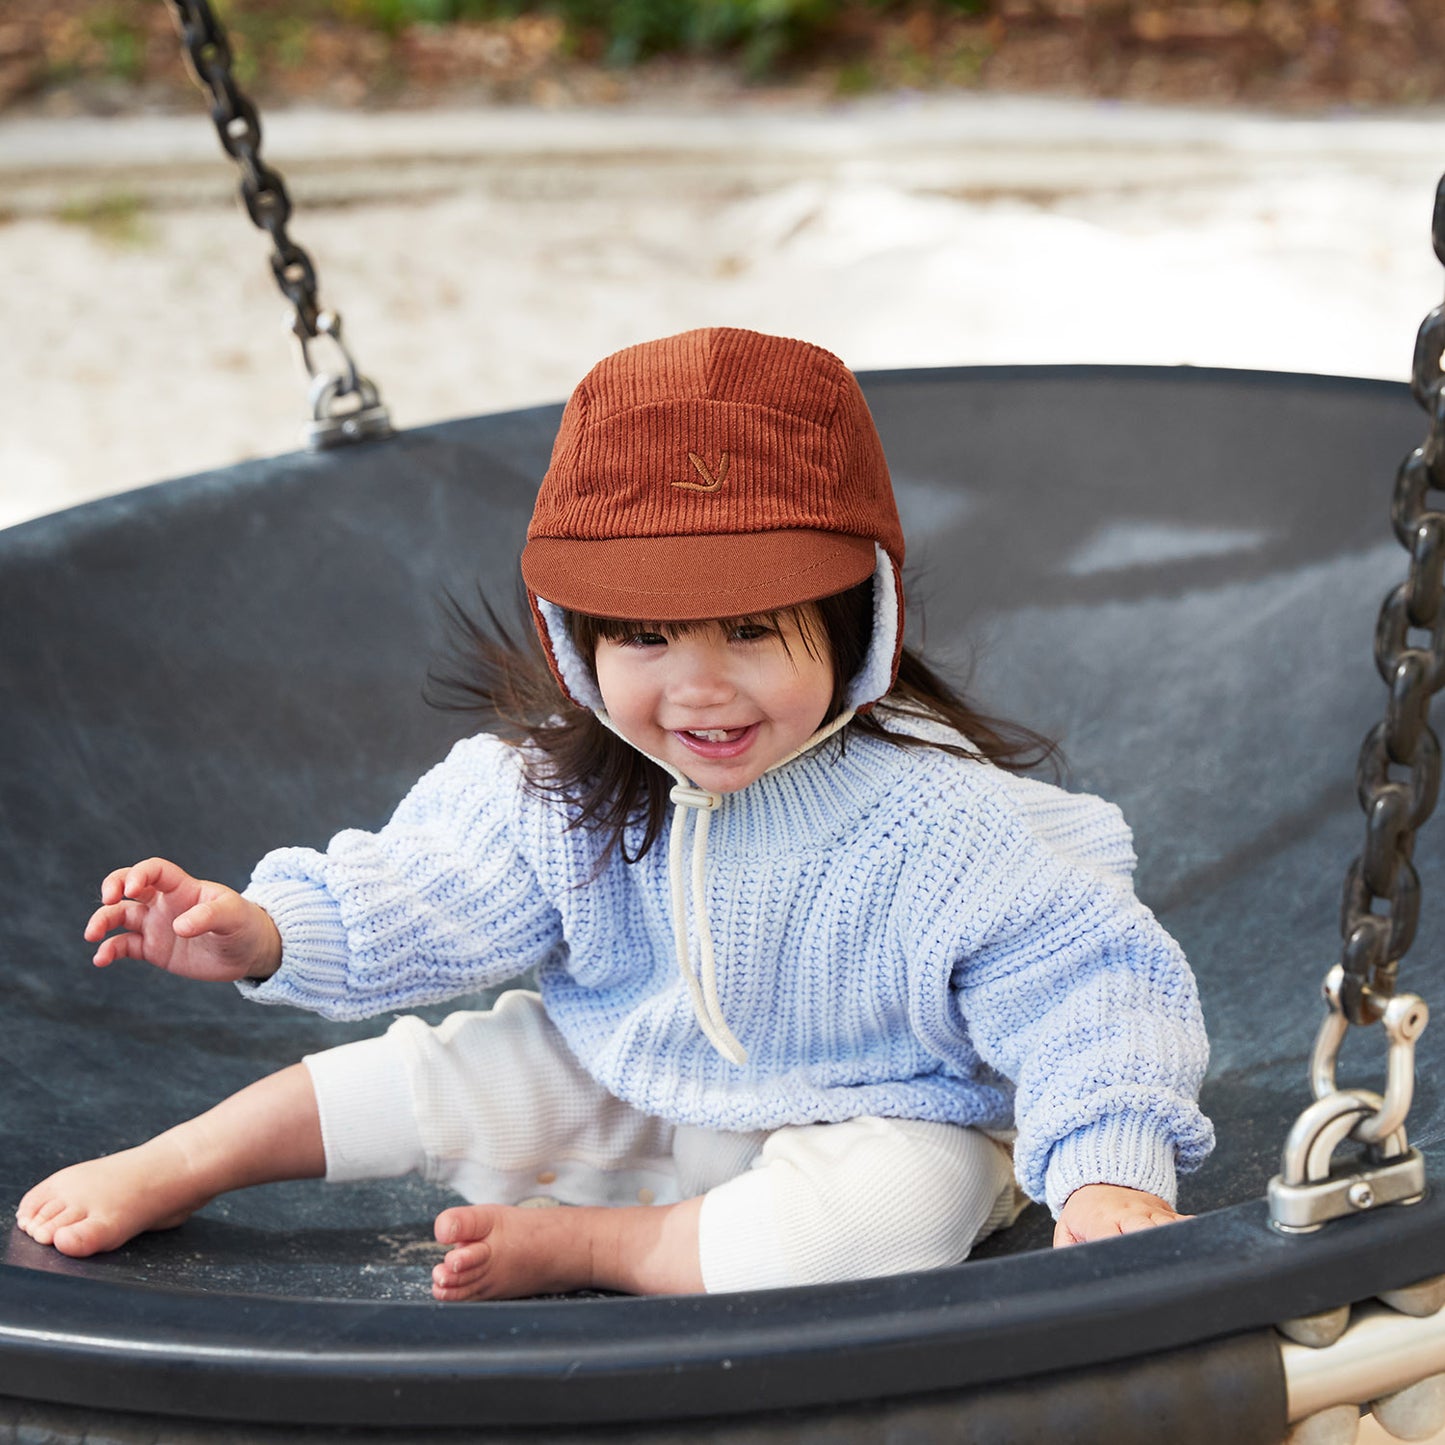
<point x="182" y="924"/>
<point x="440" y="901"/>
<point x="1097" y="1211"/>
<point x="1073" y="991"/>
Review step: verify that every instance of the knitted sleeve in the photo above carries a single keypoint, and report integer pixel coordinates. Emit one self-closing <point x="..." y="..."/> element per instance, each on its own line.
<point x="438" y="903"/>
<point x="1070" y="988"/>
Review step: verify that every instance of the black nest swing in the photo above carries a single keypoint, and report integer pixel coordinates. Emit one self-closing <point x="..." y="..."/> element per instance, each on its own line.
<point x="1176" y="571"/>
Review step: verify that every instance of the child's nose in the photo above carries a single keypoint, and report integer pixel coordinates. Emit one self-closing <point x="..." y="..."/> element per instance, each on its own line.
<point x="699" y="681"/>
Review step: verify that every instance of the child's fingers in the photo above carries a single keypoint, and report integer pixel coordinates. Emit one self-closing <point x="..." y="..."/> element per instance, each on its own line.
<point x="203" y="918"/>
<point x="120" y="945"/>
<point x="224" y="912"/>
<point x="1090" y="1227"/>
<point x="154" y="875"/>
<point x="1132" y="1222"/>
<point x="99" y="924"/>
<point x="125" y="914"/>
<point x="111" y="886"/>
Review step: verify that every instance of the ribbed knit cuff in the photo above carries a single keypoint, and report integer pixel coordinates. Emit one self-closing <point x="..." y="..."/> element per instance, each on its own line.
<point x="740" y="1245"/>
<point x="368" y="1121"/>
<point x="313" y="946"/>
<point x="1124" y="1149"/>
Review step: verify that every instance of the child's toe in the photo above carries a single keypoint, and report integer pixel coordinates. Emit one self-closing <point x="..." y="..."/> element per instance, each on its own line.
<point x="463" y="1222"/>
<point x="468" y="1257"/>
<point x="53" y="1215"/>
<point x="82" y="1237"/>
<point x="469" y="1287"/>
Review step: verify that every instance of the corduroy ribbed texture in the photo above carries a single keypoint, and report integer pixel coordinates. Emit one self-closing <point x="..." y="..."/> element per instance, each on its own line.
<point x="711" y="474"/>
<point x="898" y="934"/>
<point x="802" y="451"/>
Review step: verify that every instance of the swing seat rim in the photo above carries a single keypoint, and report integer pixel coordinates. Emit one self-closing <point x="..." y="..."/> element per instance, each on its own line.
<point x="271" y="1359"/>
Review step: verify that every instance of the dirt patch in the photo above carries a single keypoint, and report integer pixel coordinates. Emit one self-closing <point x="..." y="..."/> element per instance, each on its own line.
<point x="110" y="56"/>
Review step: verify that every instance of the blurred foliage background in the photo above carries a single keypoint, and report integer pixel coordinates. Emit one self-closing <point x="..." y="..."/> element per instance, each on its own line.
<point x="65" y="56"/>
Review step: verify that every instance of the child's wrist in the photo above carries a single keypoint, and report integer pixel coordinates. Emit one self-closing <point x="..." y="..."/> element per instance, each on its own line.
<point x="269" y="960"/>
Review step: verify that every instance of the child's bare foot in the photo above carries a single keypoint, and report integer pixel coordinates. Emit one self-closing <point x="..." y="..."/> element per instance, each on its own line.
<point x="269" y="1130"/>
<point x="503" y="1252"/>
<point x="100" y="1204"/>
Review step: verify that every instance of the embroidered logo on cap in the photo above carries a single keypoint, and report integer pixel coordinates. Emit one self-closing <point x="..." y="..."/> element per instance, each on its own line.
<point x="709" y="482"/>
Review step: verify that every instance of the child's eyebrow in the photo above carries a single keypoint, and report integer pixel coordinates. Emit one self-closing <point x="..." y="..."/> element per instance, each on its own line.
<point x="613" y="627"/>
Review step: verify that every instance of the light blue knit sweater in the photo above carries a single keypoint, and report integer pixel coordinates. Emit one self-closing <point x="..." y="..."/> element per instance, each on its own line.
<point x="898" y="932"/>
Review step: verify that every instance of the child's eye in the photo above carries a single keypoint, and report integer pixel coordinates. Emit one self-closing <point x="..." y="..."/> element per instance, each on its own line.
<point x="644" y="639"/>
<point x="751" y="632"/>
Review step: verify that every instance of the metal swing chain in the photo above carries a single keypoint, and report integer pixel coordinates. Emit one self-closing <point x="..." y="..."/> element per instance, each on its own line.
<point x="1375" y="943"/>
<point x="1360" y="989"/>
<point x="345" y="405"/>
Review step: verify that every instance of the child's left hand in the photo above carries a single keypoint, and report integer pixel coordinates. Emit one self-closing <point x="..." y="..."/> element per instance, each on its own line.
<point x="1097" y="1211"/>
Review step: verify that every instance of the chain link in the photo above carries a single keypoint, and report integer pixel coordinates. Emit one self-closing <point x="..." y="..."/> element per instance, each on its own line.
<point x="1413" y="668"/>
<point x="208" y="52"/>
<point x="1381" y="904"/>
<point x="345" y="404"/>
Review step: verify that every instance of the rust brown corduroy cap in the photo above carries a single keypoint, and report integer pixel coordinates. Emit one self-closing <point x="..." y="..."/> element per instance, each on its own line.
<point x="712" y="474"/>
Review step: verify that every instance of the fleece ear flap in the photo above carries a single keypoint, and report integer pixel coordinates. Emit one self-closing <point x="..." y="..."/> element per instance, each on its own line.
<point x="875" y="678"/>
<point x="573" y="674"/>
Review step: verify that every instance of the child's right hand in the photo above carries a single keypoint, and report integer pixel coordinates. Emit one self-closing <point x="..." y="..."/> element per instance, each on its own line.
<point x="182" y="924"/>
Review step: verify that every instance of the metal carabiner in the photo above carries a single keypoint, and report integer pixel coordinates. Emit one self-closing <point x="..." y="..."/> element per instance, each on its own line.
<point x="1404" y="1019"/>
<point x="1308" y="1191"/>
<point x="345" y="405"/>
<point x="328" y="324"/>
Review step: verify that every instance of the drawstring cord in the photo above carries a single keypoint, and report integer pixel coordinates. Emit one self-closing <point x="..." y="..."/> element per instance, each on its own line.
<point x="687" y="798"/>
<point x="705" y="1003"/>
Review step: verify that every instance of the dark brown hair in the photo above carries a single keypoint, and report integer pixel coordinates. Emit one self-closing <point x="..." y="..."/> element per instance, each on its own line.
<point x="500" y="673"/>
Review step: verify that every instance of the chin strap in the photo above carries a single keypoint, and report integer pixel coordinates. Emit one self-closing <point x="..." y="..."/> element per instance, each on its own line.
<point x="687" y="798"/>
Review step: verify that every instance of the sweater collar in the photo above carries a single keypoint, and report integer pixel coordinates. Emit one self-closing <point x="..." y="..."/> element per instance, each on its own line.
<point x="688" y="799"/>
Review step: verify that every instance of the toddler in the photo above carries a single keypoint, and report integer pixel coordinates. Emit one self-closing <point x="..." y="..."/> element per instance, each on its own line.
<point x="818" y="971"/>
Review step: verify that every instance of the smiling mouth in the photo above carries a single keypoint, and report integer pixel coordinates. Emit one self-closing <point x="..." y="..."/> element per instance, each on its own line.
<point x="717" y="742"/>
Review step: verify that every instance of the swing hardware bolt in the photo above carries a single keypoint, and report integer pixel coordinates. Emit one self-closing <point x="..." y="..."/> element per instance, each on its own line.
<point x="1303" y="1208"/>
<point x="1307" y="1192"/>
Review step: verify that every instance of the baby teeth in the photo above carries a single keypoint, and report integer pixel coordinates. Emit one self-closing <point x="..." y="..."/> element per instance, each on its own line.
<point x="712" y="735"/>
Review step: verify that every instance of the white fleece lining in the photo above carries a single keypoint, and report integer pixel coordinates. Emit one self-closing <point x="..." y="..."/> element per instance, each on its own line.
<point x="576" y="674"/>
<point x="876" y="674"/>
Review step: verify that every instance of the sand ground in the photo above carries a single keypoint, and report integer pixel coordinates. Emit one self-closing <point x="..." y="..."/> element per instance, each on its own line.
<point x="483" y="259"/>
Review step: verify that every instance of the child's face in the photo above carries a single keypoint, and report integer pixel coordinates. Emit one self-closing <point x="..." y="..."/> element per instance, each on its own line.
<point x="722" y="706"/>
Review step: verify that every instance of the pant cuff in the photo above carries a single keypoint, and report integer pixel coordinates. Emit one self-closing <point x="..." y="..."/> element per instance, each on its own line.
<point x="739" y="1243"/>
<point x="368" y="1124"/>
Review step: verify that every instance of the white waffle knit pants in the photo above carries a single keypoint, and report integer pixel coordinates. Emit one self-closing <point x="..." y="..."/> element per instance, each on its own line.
<point x="494" y="1105"/>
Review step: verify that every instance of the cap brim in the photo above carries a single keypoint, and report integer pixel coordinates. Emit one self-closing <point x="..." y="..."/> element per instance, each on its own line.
<point x="689" y="579"/>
